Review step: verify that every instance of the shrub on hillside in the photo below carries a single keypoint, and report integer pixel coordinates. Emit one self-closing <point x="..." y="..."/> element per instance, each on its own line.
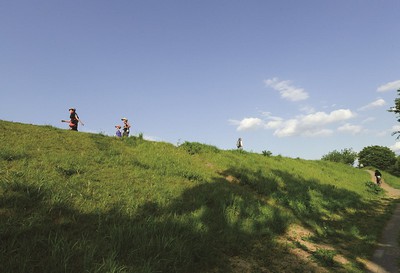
<point x="197" y="148"/>
<point x="266" y="153"/>
<point x="346" y="156"/>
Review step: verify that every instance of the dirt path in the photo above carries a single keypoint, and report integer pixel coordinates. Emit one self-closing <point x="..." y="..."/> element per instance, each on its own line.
<point x="385" y="259"/>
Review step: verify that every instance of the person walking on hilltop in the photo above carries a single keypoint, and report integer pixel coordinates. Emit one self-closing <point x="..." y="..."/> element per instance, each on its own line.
<point x="239" y="144"/>
<point x="378" y="177"/>
<point x="126" y="128"/>
<point x="73" y="119"/>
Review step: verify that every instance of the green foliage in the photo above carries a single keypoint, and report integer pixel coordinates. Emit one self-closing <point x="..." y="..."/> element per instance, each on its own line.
<point x="346" y="156"/>
<point x="395" y="170"/>
<point x="78" y="202"/>
<point x="266" y="153"/>
<point x="377" y="156"/>
<point x="373" y="188"/>
<point x="198" y="148"/>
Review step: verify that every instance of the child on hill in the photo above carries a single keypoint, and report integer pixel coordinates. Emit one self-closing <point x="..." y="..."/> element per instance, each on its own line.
<point x="118" y="132"/>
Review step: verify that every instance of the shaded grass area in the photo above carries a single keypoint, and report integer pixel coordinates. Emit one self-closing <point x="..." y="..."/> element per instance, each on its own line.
<point x="76" y="202"/>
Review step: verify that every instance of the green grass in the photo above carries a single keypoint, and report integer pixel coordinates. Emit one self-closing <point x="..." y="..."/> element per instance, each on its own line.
<point x="79" y="202"/>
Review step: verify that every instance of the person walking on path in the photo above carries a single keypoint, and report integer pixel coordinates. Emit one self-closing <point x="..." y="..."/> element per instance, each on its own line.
<point x="239" y="144"/>
<point x="118" y="132"/>
<point x="378" y="177"/>
<point x="73" y="119"/>
<point x="126" y="128"/>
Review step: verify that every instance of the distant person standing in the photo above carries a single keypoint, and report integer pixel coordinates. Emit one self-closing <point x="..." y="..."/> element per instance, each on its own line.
<point x="73" y="120"/>
<point x="126" y="128"/>
<point x="378" y="177"/>
<point x="239" y="144"/>
<point x="118" y="132"/>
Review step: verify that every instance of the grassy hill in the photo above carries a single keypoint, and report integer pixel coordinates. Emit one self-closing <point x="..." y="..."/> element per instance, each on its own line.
<point x="79" y="202"/>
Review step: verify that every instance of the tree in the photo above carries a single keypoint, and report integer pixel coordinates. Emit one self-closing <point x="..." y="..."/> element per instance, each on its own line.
<point x="396" y="110"/>
<point x="395" y="170"/>
<point x="346" y="156"/>
<point x="377" y="156"/>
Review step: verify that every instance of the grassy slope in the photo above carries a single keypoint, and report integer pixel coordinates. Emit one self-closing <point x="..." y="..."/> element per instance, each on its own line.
<point x="78" y="202"/>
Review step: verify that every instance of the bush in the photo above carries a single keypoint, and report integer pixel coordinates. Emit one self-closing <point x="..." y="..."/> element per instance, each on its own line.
<point x="373" y="188"/>
<point x="197" y="148"/>
<point x="267" y="153"/>
<point x="346" y="156"/>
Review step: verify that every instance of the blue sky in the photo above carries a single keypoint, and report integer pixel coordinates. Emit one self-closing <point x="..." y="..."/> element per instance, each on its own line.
<point x="297" y="78"/>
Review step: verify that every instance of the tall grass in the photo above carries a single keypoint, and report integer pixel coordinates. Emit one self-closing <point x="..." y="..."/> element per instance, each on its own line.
<point x="78" y="202"/>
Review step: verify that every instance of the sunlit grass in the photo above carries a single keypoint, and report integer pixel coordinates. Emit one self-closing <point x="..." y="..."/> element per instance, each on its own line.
<point x="78" y="202"/>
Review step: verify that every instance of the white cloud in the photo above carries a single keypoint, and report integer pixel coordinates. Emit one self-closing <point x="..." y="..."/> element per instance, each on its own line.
<point x="248" y="123"/>
<point x="349" y="128"/>
<point x="374" y="104"/>
<point x="287" y="90"/>
<point x="296" y="127"/>
<point x="395" y="147"/>
<point x="303" y="125"/>
<point x="286" y="128"/>
<point x="389" y="86"/>
<point x="274" y="124"/>
<point x="322" y="118"/>
<point x="313" y="124"/>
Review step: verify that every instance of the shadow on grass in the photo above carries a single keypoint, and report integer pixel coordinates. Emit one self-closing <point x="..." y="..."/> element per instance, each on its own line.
<point x="338" y="217"/>
<point x="201" y="231"/>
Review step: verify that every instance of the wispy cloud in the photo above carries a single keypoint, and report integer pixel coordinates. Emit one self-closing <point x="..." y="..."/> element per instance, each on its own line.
<point x="322" y="118"/>
<point x="390" y="86"/>
<point x="287" y="90"/>
<point x="303" y="125"/>
<point x="307" y="109"/>
<point x="298" y="127"/>
<point x="374" y="104"/>
<point x="368" y="120"/>
<point x="350" y="128"/>
<point x="389" y="132"/>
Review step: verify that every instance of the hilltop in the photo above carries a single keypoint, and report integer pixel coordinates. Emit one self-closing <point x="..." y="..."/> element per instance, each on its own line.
<point x="81" y="202"/>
